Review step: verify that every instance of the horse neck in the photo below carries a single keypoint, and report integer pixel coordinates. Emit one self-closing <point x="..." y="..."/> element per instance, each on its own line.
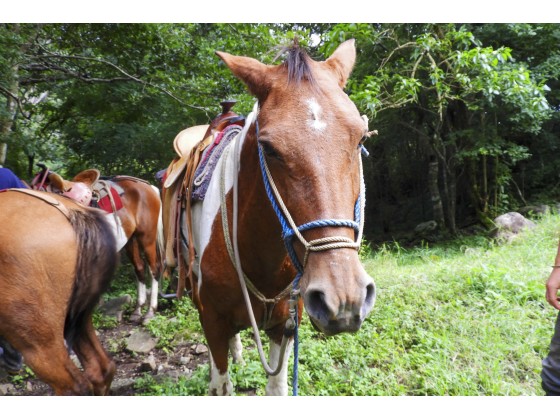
<point x="259" y="231"/>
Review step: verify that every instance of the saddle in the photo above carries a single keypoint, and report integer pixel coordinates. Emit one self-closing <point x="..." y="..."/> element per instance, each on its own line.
<point x="178" y="181"/>
<point x="87" y="188"/>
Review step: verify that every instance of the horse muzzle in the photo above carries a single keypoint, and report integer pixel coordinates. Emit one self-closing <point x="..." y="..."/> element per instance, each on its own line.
<point x="338" y="300"/>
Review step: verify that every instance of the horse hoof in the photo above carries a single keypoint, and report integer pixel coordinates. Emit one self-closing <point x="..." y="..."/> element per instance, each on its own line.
<point x="147" y="318"/>
<point x="135" y="317"/>
<point x="10" y="359"/>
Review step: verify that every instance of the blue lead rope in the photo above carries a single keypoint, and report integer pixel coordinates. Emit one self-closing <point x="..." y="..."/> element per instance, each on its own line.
<point x="288" y="236"/>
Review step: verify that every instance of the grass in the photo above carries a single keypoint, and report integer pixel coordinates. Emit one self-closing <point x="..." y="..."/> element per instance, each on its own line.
<point x="466" y="317"/>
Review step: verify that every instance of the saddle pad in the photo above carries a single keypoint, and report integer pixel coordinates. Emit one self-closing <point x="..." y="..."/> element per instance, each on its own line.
<point x="104" y="203"/>
<point x="205" y="169"/>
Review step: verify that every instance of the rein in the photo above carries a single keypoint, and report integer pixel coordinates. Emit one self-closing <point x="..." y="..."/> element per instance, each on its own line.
<point x="290" y="231"/>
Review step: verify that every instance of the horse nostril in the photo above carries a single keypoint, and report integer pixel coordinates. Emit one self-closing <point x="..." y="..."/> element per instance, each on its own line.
<point x="370" y="294"/>
<point x="316" y="304"/>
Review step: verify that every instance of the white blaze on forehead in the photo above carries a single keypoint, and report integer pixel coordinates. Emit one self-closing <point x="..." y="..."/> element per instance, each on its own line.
<point x="316" y="122"/>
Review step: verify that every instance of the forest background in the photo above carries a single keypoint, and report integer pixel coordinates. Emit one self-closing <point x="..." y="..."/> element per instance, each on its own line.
<point x="467" y="114"/>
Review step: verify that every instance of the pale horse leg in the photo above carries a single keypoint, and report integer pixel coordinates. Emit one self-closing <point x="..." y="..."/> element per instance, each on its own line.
<point x="221" y="384"/>
<point x="141" y="300"/>
<point x="278" y="384"/>
<point x="153" y="298"/>
<point x="236" y="349"/>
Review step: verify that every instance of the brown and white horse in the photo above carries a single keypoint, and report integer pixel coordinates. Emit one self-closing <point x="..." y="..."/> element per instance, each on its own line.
<point x="305" y="136"/>
<point x="56" y="259"/>
<point x="137" y="227"/>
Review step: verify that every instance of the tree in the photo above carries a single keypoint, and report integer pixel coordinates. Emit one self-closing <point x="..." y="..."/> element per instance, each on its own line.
<point x="114" y="96"/>
<point x="461" y="100"/>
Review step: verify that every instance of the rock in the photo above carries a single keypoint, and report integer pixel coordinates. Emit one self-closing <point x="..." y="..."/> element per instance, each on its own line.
<point x="184" y="360"/>
<point x="199" y="349"/>
<point x="538" y="210"/>
<point x="426" y="231"/>
<point x="115" y="307"/>
<point x="7" y="389"/>
<point x="122" y="383"/>
<point x="149" y="364"/>
<point x="426" y="227"/>
<point x="509" y="225"/>
<point x="140" y="342"/>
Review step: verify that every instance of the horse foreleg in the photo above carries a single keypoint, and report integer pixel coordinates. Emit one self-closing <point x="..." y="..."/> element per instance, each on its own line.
<point x="216" y="335"/>
<point x="220" y="382"/>
<point x="98" y="366"/>
<point x="236" y="349"/>
<point x="278" y="384"/>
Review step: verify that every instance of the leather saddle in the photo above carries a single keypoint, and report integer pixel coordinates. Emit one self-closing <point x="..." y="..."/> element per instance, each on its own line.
<point x="178" y="179"/>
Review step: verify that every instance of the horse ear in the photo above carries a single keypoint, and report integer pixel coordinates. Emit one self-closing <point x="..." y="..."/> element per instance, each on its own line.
<point x="58" y="183"/>
<point x="88" y="176"/>
<point x="250" y="71"/>
<point x="342" y="61"/>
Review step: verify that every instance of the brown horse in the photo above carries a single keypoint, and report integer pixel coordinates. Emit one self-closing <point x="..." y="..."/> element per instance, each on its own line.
<point x="56" y="259"/>
<point x="304" y="136"/>
<point x="138" y="225"/>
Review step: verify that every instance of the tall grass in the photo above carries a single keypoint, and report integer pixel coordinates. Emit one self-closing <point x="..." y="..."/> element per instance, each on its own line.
<point x="462" y="318"/>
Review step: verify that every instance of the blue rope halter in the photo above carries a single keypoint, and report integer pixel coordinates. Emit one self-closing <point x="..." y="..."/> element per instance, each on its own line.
<point x="288" y="235"/>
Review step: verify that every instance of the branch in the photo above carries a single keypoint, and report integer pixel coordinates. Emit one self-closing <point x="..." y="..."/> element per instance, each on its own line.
<point x="9" y="94"/>
<point x="128" y="76"/>
<point x="440" y="106"/>
<point x="400" y="47"/>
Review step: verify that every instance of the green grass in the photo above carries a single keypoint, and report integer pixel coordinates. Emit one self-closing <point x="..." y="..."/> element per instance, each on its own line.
<point x="466" y="317"/>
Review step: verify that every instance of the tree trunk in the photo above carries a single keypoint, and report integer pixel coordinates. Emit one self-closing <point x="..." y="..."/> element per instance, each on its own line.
<point x="450" y="188"/>
<point x="437" y="206"/>
<point x="7" y="122"/>
<point x="475" y="195"/>
<point x="3" y="152"/>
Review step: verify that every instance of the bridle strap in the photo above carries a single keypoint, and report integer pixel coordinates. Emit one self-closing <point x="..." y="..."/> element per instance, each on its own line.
<point x="290" y="230"/>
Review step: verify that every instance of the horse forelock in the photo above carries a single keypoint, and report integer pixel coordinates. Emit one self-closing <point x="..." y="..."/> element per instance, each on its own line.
<point x="298" y="65"/>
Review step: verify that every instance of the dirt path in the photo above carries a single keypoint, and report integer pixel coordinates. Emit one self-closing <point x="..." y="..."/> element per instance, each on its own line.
<point x="184" y="359"/>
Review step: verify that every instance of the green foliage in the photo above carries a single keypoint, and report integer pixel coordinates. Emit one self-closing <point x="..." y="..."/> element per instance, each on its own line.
<point x="196" y="384"/>
<point x="175" y="324"/>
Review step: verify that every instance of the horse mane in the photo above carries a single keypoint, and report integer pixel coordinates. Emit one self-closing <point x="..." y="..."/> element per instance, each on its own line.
<point x="297" y="64"/>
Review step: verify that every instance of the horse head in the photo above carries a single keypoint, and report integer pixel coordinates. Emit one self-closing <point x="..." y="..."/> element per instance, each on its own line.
<point x="309" y="135"/>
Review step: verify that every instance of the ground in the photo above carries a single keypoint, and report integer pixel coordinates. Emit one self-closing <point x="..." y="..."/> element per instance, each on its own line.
<point x="184" y="359"/>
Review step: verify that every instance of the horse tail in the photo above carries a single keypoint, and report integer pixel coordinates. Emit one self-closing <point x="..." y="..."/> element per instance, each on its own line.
<point x="160" y="241"/>
<point x="95" y="266"/>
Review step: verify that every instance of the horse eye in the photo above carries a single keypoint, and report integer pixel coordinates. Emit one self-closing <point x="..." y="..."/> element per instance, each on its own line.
<point x="269" y="150"/>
